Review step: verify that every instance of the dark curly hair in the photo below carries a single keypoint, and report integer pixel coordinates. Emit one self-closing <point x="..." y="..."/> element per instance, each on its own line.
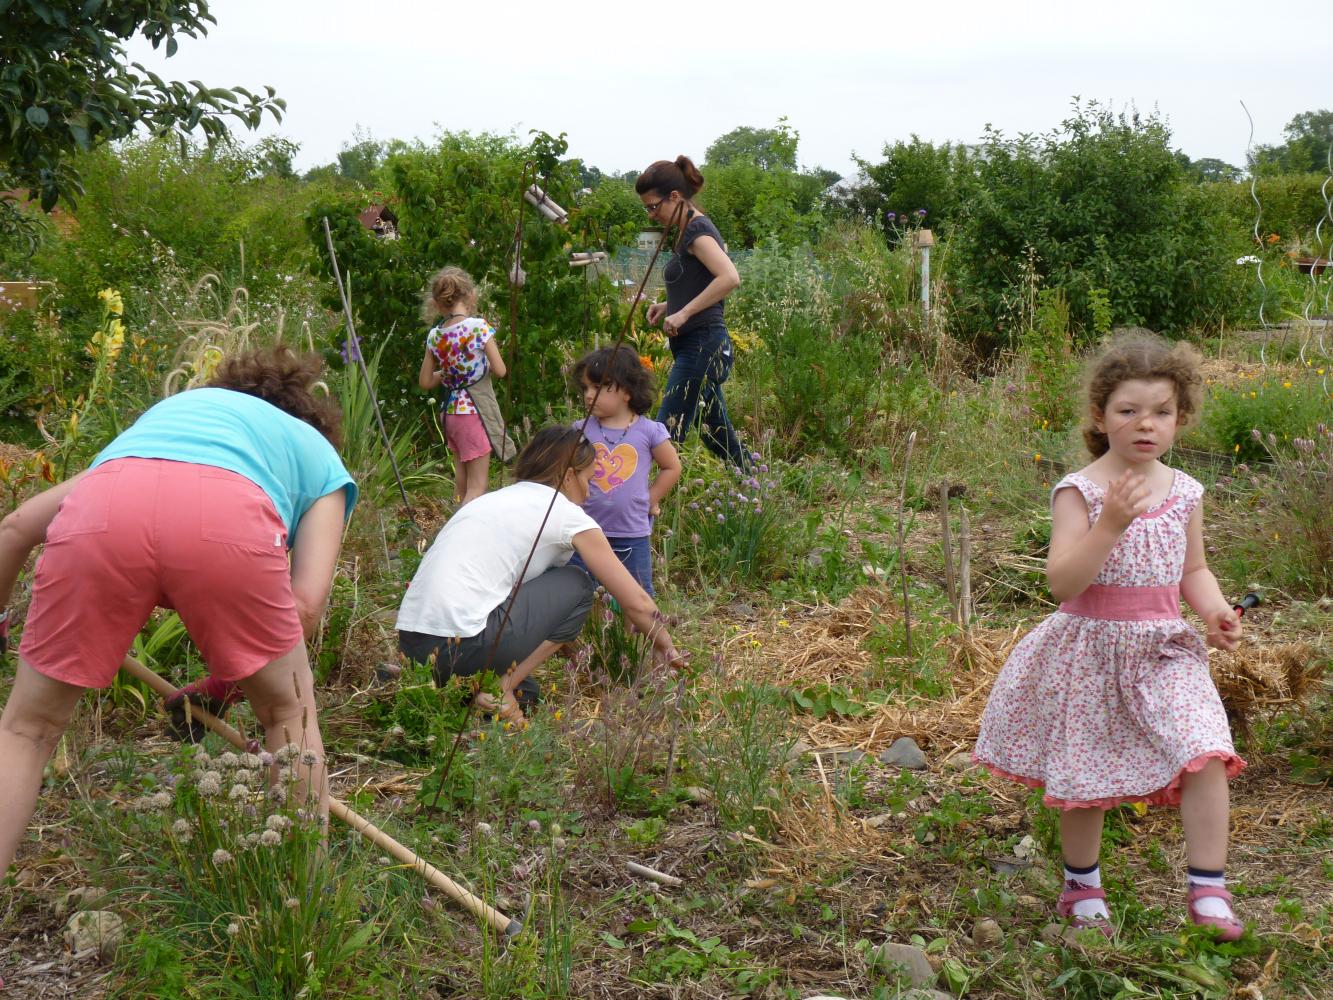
<point x="280" y="376"/>
<point x="1141" y="356"/>
<point x="618" y="368"/>
<point x="551" y="452"/>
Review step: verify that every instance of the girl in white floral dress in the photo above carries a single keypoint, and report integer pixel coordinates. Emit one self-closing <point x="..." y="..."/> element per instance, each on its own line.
<point x="1110" y="699"/>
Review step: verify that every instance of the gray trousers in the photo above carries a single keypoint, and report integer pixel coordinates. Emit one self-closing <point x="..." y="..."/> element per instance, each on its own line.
<point x="552" y="607"/>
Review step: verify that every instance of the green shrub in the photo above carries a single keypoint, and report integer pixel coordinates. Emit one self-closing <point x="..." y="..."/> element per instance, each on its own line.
<point x="1103" y="203"/>
<point x="1243" y="420"/>
<point x="457" y="203"/>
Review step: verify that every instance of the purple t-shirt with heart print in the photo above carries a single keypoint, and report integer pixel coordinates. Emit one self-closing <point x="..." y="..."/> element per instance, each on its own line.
<point x="618" y="494"/>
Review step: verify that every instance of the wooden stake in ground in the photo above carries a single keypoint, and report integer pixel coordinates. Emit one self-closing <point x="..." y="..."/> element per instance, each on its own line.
<point x="902" y="544"/>
<point x="964" y="570"/>
<point x="946" y="543"/>
<point x="363" y="826"/>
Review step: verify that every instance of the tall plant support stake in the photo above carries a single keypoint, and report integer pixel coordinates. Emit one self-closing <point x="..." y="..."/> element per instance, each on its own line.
<point x="902" y="543"/>
<point x="946" y="543"/>
<point x="354" y="348"/>
<point x="964" y="570"/>
<point x="477" y="907"/>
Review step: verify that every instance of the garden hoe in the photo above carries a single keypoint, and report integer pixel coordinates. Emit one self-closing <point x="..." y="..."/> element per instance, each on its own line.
<point x="482" y="910"/>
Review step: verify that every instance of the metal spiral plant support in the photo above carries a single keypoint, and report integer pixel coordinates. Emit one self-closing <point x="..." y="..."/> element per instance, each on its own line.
<point x="1326" y="192"/>
<point x="1258" y="239"/>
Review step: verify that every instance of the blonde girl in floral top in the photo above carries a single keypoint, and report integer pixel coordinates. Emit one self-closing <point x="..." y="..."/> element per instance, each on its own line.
<point x="460" y="351"/>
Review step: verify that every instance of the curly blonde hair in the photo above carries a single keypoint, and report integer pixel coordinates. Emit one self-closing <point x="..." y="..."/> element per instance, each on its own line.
<point x="1141" y="356"/>
<point x="448" y="286"/>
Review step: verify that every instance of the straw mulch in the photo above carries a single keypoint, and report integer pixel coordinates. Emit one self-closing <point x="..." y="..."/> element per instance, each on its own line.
<point x="1256" y="679"/>
<point x="824" y="644"/>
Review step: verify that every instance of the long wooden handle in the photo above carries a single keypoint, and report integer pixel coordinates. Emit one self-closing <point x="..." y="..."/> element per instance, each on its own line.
<point x="479" y="908"/>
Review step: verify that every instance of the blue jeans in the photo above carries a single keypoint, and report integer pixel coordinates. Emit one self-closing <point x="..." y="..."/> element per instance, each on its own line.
<point x="635" y="553"/>
<point x="693" y="393"/>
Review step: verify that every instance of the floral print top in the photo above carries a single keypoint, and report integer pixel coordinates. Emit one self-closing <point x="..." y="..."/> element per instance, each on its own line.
<point x="460" y="351"/>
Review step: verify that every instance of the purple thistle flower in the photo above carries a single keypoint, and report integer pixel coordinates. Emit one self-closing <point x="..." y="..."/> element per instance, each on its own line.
<point x="920" y="213"/>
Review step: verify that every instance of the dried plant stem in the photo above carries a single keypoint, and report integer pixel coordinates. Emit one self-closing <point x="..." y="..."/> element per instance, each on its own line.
<point x="946" y="544"/>
<point x="964" y="570"/>
<point x="902" y="542"/>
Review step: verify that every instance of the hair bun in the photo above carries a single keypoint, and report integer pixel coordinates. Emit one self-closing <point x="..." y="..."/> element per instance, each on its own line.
<point x="690" y="172"/>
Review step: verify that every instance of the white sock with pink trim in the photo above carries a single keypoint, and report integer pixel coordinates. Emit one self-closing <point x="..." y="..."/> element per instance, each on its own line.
<point x="1087" y="878"/>
<point x="1210" y="906"/>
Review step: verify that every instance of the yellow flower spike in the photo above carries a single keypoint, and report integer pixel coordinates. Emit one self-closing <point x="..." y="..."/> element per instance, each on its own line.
<point x="481" y="737"/>
<point x="1236" y="448"/>
<point x="783" y="623"/>
<point x="1286" y="385"/>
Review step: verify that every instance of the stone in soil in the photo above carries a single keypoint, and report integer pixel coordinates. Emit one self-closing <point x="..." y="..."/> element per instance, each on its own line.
<point x="905" y="754"/>
<point x="986" y="933"/>
<point x="99" y="931"/>
<point x="910" y="960"/>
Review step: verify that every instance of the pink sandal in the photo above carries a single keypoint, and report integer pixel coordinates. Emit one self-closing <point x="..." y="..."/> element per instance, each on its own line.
<point x="1228" y="928"/>
<point x="1064" y="906"/>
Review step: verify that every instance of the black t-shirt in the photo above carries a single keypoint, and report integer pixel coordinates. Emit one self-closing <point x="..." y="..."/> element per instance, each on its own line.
<point x="686" y="276"/>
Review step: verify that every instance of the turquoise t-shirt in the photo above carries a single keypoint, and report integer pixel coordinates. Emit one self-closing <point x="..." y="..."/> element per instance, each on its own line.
<point x="285" y="457"/>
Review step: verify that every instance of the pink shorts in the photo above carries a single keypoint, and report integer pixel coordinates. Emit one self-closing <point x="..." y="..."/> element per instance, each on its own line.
<point x="138" y="533"/>
<point x="466" y="436"/>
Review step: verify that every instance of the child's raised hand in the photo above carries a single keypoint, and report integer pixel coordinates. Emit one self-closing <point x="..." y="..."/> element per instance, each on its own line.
<point x="655" y="313"/>
<point x="1126" y="499"/>
<point x="1224" y="628"/>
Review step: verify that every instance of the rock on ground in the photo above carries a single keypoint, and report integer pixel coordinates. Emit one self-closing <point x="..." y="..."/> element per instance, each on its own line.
<point x="95" y="930"/>
<point x="911" y="959"/>
<point x="906" y="754"/>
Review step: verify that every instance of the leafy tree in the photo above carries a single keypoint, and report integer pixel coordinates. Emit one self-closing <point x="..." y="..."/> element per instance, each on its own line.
<point x="1101" y="208"/>
<point x="1209" y="169"/>
<point x="456" y="202"/>
<point x="1307" y="149"/>
<point x="753" y="191"/>
<point x="65" y="87"/>
<point x="766" y="148"/>
<point x="913" y="175"/>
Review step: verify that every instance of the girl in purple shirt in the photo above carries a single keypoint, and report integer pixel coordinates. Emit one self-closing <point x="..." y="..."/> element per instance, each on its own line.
<point x="622" y="499"/>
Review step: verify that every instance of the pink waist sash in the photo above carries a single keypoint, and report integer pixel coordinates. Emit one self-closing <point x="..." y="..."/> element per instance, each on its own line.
<point x="1125" y="604"/>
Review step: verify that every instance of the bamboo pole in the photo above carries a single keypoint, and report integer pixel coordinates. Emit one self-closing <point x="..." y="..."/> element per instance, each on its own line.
<point x="437" y="878"/>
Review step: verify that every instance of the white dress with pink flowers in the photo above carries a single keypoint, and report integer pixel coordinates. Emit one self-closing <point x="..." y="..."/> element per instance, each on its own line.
<point x="1109" y="700"/>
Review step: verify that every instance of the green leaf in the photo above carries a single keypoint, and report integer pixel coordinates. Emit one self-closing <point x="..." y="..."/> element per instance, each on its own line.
<point x="37" y="117"/>
<point x="612" y="941"/>
<point x="642" y="926"/>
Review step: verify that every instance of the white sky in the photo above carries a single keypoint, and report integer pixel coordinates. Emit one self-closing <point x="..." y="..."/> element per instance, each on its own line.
<point x="634" y="81"/>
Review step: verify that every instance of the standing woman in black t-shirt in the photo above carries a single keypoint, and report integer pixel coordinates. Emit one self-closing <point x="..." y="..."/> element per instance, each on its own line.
<point x="698" y="276"/>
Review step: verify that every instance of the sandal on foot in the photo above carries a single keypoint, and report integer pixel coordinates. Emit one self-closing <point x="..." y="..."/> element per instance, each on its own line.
<point x="1064" y="906"/>
<point x="210" y="694"/>
<point x="1228" y="928"/>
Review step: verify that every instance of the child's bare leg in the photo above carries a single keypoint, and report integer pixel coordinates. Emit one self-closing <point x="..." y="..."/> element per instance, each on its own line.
<point x="1205" y="813"/>
<point x="475" y="474"/>
<point x="1205" y="810"/>
<point x="460" y="478"/>
<point x="1081" y="836"/>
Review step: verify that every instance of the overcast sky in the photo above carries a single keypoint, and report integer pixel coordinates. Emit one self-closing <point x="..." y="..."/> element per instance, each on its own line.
<point x="631" y="82"/>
